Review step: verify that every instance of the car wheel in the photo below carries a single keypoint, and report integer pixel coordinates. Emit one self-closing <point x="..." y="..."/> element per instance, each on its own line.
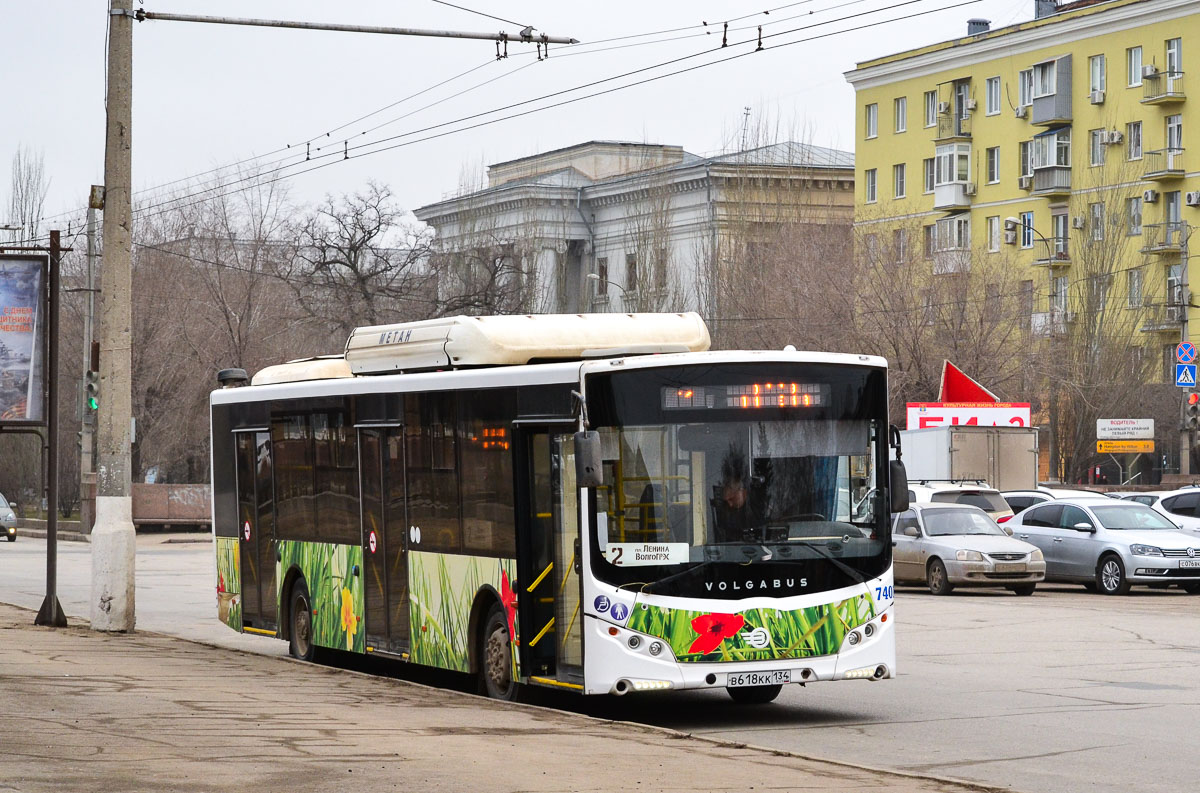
<point x="12" y="538"/>
<point x="495" y="662"/>
<point x="300" y="640"/>
<point x="1024" y="589"/>
<point x="936" y="578"/>
<point x="754" y="695"/>
<point x="1192" y="588"/>
<point x="1110" y="576"/>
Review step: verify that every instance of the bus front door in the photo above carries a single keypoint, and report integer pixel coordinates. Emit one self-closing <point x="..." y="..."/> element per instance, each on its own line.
<point x="548" y="581"/>
<point x="256" y="529"/>
<point x="384" y="537"/>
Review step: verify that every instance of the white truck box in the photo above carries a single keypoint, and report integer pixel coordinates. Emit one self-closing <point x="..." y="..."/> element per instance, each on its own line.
<point x="1004" y="457"/>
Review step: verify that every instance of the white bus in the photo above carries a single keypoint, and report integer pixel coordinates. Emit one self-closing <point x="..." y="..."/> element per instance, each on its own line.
<point x="590" y="502"/>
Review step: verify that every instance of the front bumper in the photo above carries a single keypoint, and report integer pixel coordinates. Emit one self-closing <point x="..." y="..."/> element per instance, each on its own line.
<point x="985" y="573"/>
<point x="1150" y="570"/>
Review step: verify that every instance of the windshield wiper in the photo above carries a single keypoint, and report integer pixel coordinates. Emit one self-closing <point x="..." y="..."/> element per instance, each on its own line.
<point x="824" y="553"/>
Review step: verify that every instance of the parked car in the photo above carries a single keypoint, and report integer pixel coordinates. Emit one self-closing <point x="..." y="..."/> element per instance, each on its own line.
<point x="949" y="545"/>
<point x="1182" y="507"/>
<point x="1148" y="498"/>
<point x="1109" y="545"/>
<point x="8" y="520"/>
<point x="976" y="495"/>
<point x="1024" y="499"/>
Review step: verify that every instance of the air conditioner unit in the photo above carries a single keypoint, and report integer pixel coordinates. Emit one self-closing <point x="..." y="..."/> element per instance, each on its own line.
<point x="971" y="104"/>
<point x="943" y="107"/>
<point x="970" y="189"/>
<point x="1115" y="136"/>
<point x="1149" y="197"/>
<point x="1025" y="182"/>
<point x="1022" y="111"/>
<point x="1149" y="70"/>
<point x="1097" y="97"/>
<point x="1102" y="136"/>
<point x="1078" y="222"/>
<point x="1010" y="238"/>
<point x="1193" y="198"/>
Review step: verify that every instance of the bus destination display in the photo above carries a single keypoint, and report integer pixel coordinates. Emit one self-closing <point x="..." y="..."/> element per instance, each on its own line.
<point x="748" y="396"/>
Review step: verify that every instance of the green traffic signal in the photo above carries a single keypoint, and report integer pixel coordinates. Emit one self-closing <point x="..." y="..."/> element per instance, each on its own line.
<point x="92" y="387"/>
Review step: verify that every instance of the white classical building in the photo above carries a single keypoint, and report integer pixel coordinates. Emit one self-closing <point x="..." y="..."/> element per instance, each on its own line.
<point x="612" y="226"/>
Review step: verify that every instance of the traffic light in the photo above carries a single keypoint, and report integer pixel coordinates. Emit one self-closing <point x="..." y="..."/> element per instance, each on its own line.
<point x="1193" y="410"/>
<point x="92" y="389"/>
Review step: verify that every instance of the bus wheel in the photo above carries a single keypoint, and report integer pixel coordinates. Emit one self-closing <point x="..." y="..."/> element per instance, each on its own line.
<point x="495" y="669"/>
<point x="300" y="612"/>
<point x="754" y="695"/>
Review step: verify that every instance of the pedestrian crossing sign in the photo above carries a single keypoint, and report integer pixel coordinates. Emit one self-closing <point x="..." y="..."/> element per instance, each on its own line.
<point x="1185" y="375"/>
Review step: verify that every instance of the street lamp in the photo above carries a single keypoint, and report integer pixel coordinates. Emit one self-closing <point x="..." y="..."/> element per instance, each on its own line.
<point x="1010" y="224"/>
<point x="596" y="277"/>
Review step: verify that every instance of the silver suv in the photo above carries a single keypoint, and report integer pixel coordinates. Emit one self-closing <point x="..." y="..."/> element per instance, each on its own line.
<point x="1109" y="545"/>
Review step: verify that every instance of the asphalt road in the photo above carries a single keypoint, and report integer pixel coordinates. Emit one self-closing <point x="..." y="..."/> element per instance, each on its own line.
<point x="1061" y="692"/>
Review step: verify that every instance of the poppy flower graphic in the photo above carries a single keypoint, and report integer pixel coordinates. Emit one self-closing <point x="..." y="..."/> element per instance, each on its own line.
<point x="509" y="598"/>
<point x="349" y="621"/>
<point x="714" y="629"/>
<point x="220" y="583"/>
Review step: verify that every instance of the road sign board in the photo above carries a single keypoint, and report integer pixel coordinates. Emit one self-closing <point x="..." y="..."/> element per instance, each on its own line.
<point x="1185" y="375"/>
<point x="1124" y="447"/>
<point x="1185" y="351"/>
<point x="1124" y="429"/>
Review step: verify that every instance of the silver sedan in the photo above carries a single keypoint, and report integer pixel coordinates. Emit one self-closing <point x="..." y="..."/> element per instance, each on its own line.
<point x="1108" y="546"/>
<point x="949" y="545"/>
<point x="8" y="520"/>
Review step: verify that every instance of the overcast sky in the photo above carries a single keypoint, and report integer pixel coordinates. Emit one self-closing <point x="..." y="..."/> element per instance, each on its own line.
<point x="209" y="96"/>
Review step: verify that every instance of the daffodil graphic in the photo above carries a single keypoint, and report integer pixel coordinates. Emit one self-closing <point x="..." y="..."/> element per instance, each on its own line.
<point x="349" y="621"/>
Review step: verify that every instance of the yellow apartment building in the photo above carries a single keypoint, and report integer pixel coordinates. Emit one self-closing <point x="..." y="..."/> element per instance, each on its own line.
<point x="1041" y="143"/>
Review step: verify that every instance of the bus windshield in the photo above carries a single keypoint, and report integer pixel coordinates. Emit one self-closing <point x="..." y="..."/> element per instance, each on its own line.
<point x="773" y="499"/>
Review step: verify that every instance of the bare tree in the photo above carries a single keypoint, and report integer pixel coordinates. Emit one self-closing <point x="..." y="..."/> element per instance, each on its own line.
<point x="27" y="196"/>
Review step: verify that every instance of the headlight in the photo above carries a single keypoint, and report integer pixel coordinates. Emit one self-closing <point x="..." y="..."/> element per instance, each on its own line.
<point x="1145" y="550"/>
<point x="10" y="516"/>
<point x="1036" y="556"/>
<point x="969" y="556"/>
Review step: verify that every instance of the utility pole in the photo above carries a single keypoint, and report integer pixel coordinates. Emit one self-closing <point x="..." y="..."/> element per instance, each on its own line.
<point x="1187" y="438"/>
<point x="87" y="471"/>
<point x="113" y="537"/>
<point x="51" y="612"/>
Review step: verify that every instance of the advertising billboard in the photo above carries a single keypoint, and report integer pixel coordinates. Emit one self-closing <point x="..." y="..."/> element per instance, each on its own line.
<point x="22" y="338"/>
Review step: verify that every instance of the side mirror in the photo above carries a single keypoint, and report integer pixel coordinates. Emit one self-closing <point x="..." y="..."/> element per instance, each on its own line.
<point x="912" y="531"/>
<point x="1089" y="528"/>
<point x="899" y="486"/>
<point x="1007" y="530"/>
<point x="589" y="467"/>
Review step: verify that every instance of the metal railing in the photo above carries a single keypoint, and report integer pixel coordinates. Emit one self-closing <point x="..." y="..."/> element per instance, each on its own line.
<point x="1163" y="86"/>
<point x="1163" y="162"/>
<point x="1163" y="237"/>
<point x="954" y="125"/>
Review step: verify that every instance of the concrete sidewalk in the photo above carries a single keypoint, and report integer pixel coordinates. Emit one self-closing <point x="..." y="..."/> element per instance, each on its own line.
<point x="83" y="711"/>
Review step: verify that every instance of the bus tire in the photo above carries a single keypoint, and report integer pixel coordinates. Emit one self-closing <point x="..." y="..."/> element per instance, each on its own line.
<point x="937" y="579"/>
<point x="300" y="637"/>
<point x="754" y="695"/>
<point x="495" y="658"/>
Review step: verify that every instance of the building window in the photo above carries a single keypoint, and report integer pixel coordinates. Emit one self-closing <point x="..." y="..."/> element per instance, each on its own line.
<point x="929" y="240"/>
<point x="1026" y="229"/>
<point x="1096" y="220"/>
<point x="931" y="108"/>
<point x="1133" y="58"/>
<point x="900" y="245"/>
<point x="1133" y="214"/>
<point x="993" y="165"/>
<point x="901" y="113"/>
<point x="631" y="272"/>
<point x="1133" y="138"/>
<point x="1096" y="72"/>
<point x="872" y="246"/>
<point x="993" y="95"/>
<point x="1052" y="149"/>
<point x="1026" y="155"/>
<point x="929" y="175"/>
<point x="869" y="185"/>
<point x="1044" y="79"/>
<point x="1096" y="146"/>
<point x="953" y="233"/>
<point x="898" y="180"/>
<point x="602" y="281"/>
<point x="993" y="233"/>
<point x="872" y="120"/>
<point x="953" y="163"/>
<point x="1059" y="298"/>
<point x="1025" y="88"/>
<point x="1133" y="288"/>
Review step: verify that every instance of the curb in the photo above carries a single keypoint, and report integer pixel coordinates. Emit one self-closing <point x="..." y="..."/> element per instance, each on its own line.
<point x="65" y="535"/>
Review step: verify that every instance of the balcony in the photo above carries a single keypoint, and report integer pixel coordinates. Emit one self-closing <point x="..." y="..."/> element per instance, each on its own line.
<point x="1052" y="181"/>
<point x="1163" y="88"/>
<point x="953" y="126"/>
<point x="953" y="195"/>
<point x="1163" y="164"/>
<point x="1059" y="254"/>
<point x="951" y="261"/>
<point x="1163" y="319"/>
<point x="1163" y="239"/>
<point x="1044" y="324"/>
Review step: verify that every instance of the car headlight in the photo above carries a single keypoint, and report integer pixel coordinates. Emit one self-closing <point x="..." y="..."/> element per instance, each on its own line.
<point x="969" y="556"/>
<point x="10" y="516"/>
<point x="1036" y="556"/>
<point x="1145" y="550"/>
